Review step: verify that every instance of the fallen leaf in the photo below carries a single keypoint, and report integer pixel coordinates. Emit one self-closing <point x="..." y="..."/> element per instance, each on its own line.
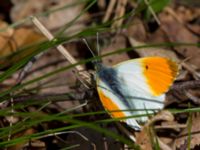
<point x="148" y="135"/>
<point x="21" y="134"/>
<point x="163" y="115"/>
<point x="182" y="139"/>
<point x="143" y="139"/>
<point x="14" y="43"/>
<point x="5" y="38"/>
<point x="137" y="30"/>
<point x="55" y="19"/>
<point x="118" y="43"/>
<point x="177" y="32"/>
<point x="145" y="52"/>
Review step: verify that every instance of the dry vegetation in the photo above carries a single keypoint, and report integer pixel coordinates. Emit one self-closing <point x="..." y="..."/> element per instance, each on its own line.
<point x="54" y="105"/>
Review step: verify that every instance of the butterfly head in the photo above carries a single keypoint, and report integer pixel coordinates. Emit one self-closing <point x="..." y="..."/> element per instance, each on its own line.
<point x="97" y="62"/>
<point x="98" y="65"/>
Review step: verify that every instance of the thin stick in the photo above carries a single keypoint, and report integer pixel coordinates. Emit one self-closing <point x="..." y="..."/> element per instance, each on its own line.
<point x="120" y="10"/>
<point x="109" y="10"/>
<point x="152" y="12"/>
<point x="71" y="132"/>
<point x="175" y="126"/>
<point x="195" y="74"/>
<point x="186" y="85"/>
<point x="60" y="48"/>
<point x="129" y="134"/>
<point x="11" y="119"/>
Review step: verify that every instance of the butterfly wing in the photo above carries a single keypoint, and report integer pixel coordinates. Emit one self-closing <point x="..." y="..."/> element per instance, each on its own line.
<point x="142" y="82"/>
<point x="152" y="75"/>
<point x="114" y="104"/>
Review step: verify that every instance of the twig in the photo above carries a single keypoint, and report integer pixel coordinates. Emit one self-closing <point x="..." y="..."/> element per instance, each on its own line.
<point x="105" y="143"/>
<point x="186" y="85"/>
<point x="193" y="98"/>
<point x="195" y="74"/>
<point x="11" y="119"/>
<point x="51" y="97"/>
<point x="109" y="10"/>
<point x="175" y="126"/>
<point x="186" y="134"/>
<point x="124" y="130"/>
<point x="54" y="63"/>
<point x="163" y="145"/>
<point x="71" y="132"/>
<point x="62" y="49"/>
<point x="120" y="10"/>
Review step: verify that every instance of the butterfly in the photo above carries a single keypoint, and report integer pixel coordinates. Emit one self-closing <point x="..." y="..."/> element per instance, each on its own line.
<point x="137" y="84"/>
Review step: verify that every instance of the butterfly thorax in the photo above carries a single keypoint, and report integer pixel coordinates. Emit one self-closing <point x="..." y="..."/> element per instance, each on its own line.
<point x="106" y="74"/>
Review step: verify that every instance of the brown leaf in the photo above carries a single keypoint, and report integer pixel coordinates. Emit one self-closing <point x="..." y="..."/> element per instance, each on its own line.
<point x="194" y="133"/>
<point x="144" y="52"/>
<point x="177" y="32"/>
<point x="119" y="43"/>
<point x="54" y="20"/>
<point x="145" y="137"/>
<point x="21" y="37"/>
<point x="21" y="134"/>
<point x="5" y="38"/>
<point x="137" y="30"/>
<point x="163" y="115"/>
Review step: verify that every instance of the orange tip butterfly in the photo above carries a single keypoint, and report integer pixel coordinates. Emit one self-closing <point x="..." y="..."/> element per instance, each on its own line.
<point x="138" y="84"/>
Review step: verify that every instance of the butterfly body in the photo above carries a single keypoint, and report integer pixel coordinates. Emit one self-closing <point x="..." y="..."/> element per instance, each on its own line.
<point x="131" y="85"/>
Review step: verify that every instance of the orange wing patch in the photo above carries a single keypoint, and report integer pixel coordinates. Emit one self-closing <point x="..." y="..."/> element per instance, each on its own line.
<point x="160" y="73"/>
<point x="110" y="105"/>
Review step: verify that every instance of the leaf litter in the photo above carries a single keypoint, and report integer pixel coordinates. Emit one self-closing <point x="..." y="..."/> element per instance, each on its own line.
<point x="178" y="23"/>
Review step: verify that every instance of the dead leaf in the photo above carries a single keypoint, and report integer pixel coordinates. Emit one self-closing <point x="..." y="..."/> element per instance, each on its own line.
<point x="145" y="52"/>
<point x="137" y="30"/>
<point x="23" y="133"/>
<point x="186" y="14"/>
<point x="177" y="32"/>
<point x="163" y="115"/>
<point x="54" y="20"/>
<point x="5" y="38"/>
<point x="145" y="137"/>
<point x="14" y="43"/>
<point x="12" y="119"/>
<point x="195" y="134"/>
<point x="119" y="43"/>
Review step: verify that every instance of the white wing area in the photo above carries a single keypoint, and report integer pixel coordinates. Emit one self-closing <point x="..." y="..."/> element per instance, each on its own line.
<point x="107" y="91"/>
<point x="131" y="78"/>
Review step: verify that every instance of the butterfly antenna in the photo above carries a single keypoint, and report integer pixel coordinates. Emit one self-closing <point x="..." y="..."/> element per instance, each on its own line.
<point x="95" y="62"/>
<point x="98" y="48"/>
<point x="86" y="43"/>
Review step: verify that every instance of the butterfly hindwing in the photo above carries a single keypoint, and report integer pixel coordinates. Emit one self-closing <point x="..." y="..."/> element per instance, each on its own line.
<point x="114" y="105"/>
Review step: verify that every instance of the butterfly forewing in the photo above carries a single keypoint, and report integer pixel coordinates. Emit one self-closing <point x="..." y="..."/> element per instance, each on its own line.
<point x="141" y="84"/>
